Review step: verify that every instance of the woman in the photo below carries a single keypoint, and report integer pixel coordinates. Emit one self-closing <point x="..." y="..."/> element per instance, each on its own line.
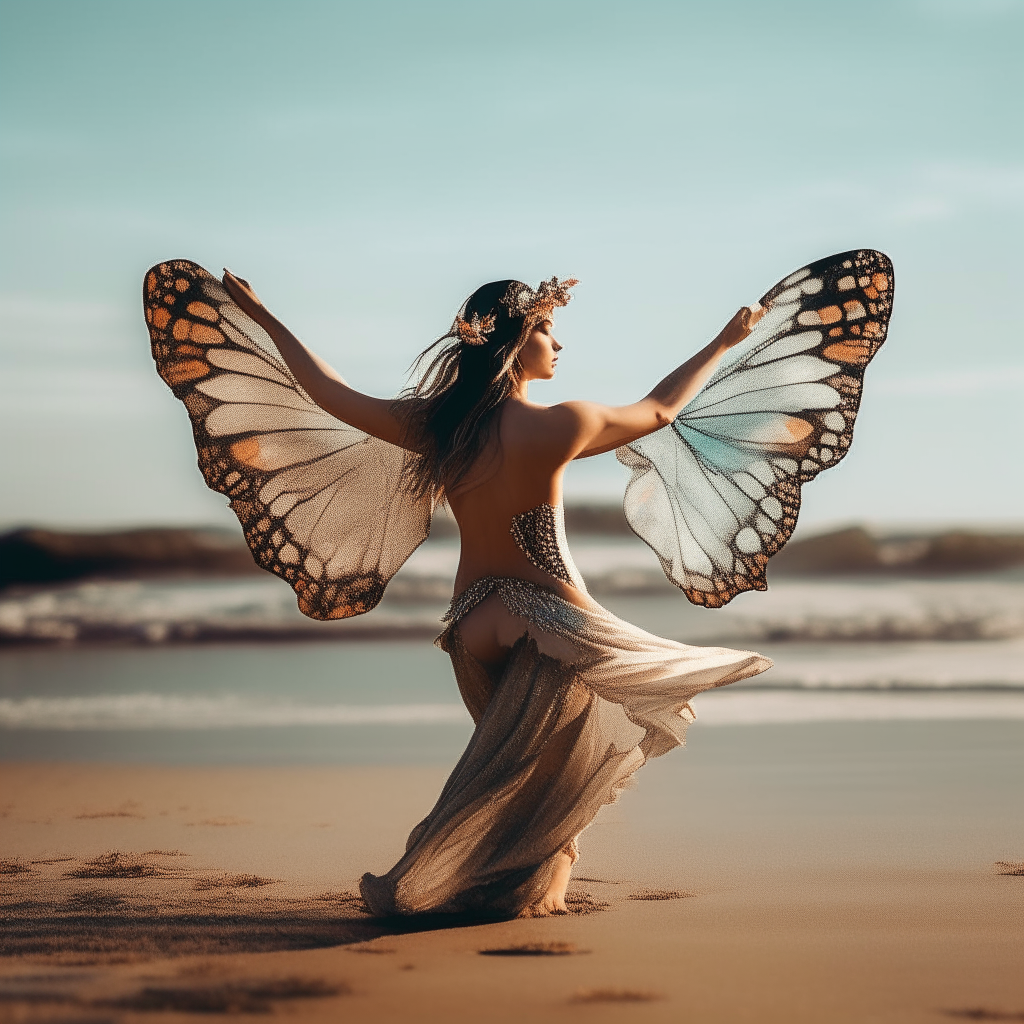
<point x="568" y="700"/>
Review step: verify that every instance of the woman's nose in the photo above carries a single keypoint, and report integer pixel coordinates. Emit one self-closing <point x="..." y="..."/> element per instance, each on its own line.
<point x="555" y="345"/>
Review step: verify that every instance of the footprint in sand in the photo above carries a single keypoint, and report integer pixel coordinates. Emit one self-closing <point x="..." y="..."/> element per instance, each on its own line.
<point x="580" y="902"/>
<point x="233" y="882"/>
<point x="228" y="997"/>
<point x="615" y="995"/>
<point x="984" y="1013"/>
<point x="660" y="894"/>
<point x="222" y="822"/>
<point x="1010" y="867"/>
<point x="535" y="949"/>
<point x="129" y="809"/>
<point x="15" y="866"/>
<point x="115" y="864"/>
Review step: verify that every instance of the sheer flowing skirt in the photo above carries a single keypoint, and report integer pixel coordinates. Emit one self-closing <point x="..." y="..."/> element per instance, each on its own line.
<point x="582" y="702"/>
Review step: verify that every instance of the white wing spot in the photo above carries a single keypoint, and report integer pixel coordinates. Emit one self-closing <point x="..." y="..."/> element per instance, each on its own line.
<point x="844" y="284"/>
<point x="748" y="541"/>
<point x="813" y="286"/>
<point x="798" y="276"/>
<point x="749" y="485"/>
<point x="281" y="505"/>
<point x="834" y="421"/>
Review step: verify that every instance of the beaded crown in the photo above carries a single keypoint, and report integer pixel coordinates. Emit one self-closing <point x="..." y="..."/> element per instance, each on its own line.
<point x="532" y="306"/>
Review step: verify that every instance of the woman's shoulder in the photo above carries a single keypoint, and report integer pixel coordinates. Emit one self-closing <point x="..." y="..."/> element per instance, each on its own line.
<point x="554" y="428"/>
<point x="544" y="417"/>
<point x="574" y="411"/>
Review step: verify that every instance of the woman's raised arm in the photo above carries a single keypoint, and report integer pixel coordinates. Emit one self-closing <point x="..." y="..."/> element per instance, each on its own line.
<point x="319" y="380"/>
<point x="602" y="428"/>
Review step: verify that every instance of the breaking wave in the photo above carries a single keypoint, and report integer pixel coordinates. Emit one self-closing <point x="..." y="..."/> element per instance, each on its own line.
<point x="147" y="711"/>
<point x="160" y="711"/>
<point x="791" y="611"/>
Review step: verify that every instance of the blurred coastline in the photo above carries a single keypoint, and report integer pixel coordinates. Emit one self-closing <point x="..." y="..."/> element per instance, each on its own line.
<point x="180" y="585"/>
<point x="34" y="556"/>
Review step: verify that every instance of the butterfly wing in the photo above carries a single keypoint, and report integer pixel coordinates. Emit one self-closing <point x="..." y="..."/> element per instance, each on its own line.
<point x="322" y="505"/>
<point x="716" y="493"/>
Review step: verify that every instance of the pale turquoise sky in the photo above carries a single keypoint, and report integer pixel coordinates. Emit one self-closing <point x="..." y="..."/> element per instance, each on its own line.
<point x="367" y="165"/>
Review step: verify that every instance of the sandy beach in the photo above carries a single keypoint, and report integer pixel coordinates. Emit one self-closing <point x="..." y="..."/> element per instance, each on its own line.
<point x="813" y="872"/>
<point x="783" y="365"/>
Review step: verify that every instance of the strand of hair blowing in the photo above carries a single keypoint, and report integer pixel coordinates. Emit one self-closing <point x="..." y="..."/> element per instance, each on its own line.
<point x="450" y="413"/>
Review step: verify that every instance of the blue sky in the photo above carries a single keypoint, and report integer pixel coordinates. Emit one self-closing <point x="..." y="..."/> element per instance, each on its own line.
<point x="367" y="165"/>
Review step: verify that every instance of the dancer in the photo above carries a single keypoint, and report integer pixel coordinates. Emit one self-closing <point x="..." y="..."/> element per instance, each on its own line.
<point x="334" y="490"/>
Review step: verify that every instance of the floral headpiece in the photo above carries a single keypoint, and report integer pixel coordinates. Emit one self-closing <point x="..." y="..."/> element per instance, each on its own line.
<point x="475" y="331"/>
<point x="522" y="301"/>
<point x="539" y="305"/>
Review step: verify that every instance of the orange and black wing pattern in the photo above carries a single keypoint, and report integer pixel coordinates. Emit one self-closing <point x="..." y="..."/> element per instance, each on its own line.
<point x="322" y="505"/>
<point x="717" y="492"/>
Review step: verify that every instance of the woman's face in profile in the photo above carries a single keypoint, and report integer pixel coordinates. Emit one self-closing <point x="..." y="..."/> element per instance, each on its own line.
<point x="539" y="355"/>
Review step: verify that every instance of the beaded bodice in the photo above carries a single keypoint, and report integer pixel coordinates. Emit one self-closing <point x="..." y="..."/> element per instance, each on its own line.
<point x="540" y="534"/>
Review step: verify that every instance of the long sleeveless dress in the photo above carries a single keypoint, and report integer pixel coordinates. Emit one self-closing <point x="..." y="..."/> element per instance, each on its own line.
<point x="585" y="698"/>
<point x="583" y="701"/>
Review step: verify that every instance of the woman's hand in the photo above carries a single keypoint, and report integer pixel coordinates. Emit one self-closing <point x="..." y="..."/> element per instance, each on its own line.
<point x="243" y="296"/>
<point x="740" y="326"/>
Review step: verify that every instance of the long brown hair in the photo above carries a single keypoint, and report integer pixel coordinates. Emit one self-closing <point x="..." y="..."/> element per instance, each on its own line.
<point x="449" y="415"/>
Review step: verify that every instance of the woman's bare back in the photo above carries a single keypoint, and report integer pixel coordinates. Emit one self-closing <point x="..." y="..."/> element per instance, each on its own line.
<point x="518" y="472"/>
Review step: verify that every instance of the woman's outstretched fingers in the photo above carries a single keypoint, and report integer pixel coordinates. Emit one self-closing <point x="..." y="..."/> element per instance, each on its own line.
<point x="753" y="314"/>
<point x="738" y="327"/>
<point x="241" y="291"/>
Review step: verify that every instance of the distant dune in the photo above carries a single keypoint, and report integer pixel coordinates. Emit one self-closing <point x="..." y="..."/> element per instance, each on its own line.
<point x="38" y="556"/>
<point x="53" y="556"/>
<point x="856" y="551"/>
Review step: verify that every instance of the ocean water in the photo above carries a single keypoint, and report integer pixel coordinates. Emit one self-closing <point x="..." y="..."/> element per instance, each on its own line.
<point x="375" y="690"/>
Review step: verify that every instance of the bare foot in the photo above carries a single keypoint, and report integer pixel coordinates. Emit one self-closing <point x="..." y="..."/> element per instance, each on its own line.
<point x="553" y="901"/>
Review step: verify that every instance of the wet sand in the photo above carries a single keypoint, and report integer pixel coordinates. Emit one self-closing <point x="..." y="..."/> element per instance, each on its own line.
<point x="818" y="872"/>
